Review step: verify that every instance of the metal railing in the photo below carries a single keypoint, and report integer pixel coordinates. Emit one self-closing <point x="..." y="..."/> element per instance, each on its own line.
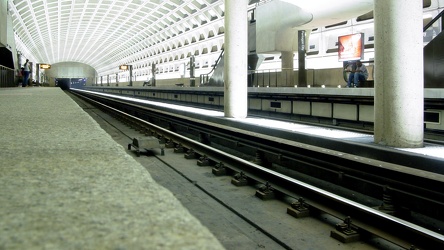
<point x="6" y="77"/>
<point x="427" y="26"/>
<point x="433" y="28"/>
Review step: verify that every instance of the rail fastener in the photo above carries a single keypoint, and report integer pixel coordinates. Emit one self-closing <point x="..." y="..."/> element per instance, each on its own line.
<point x="203" y="161"/>
<point x="179" y="149"/>
<point x="299" y="209"/>
<point x="265" y="192"/>
<point x="219" y="169"/>
<point x="239" y="179"/>
<point x="191" y="154"/>
<point x="345" y="231"/>
<point x="169" y="144"/>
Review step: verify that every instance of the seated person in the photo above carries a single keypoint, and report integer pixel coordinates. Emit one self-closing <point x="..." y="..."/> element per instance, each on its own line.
<point x="357" y="75"/>
<point x="147" y="83"/>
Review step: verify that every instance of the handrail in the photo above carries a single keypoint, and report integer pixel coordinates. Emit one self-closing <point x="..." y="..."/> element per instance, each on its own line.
<point x="427" y="26"/>
<point x="6" y="77"/>
<point x="4" y="67"/>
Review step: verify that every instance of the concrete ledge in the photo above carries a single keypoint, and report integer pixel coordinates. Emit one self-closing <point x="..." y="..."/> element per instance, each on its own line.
<point x="65" y="184"/>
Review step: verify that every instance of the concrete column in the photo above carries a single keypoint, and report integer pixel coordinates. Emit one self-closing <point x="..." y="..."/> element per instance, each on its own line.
<point x="399" y="84"/>
<point x="287" y="68"/>
<point x="235" y="59"/>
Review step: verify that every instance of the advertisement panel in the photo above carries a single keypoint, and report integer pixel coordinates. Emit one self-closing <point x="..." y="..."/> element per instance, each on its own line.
<point x="351" y="47"/>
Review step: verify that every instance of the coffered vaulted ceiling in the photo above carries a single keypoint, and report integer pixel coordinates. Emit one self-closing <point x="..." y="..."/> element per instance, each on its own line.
<point x="107" y="33"/>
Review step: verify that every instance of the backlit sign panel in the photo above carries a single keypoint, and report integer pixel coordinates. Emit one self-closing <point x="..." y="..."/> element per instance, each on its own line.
<point x="351" y="47"/>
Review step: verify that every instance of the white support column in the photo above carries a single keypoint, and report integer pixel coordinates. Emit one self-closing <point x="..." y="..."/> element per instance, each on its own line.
<point x="399" y="76"/>
<point x="236" y="59"/>
<point x="287" y="68"/>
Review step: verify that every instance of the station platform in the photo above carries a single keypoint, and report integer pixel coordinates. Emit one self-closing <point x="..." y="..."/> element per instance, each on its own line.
<point x="66" y="184"/>
<point x="428" y="150"/>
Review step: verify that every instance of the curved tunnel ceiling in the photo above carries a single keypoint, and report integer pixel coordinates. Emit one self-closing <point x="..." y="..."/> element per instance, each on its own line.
<point x="104" y="33"/>
<point x="107" y="33"/>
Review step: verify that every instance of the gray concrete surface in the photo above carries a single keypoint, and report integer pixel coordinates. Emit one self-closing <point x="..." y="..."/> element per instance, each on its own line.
<point x="66" y="184"/>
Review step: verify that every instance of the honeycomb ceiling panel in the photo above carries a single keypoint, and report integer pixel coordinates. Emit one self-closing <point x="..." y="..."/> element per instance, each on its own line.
<point x="107" y="33"/>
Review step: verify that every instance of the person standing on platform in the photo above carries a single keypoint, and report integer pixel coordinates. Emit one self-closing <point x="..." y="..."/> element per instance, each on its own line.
<point x="26" y="73"/>
<point x="358" y="75"/>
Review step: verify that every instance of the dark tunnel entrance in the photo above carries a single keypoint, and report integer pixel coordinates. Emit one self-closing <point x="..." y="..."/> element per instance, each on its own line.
<point x="67" y="83"/>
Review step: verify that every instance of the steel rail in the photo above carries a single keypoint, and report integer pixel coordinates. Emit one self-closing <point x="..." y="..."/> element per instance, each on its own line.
<point x="366" y="218"/>
<point x="383" y="172"/>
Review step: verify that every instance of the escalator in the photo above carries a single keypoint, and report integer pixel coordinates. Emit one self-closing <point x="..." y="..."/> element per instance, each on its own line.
<point x="216" y="76"/>
<point x="434" y="53"/>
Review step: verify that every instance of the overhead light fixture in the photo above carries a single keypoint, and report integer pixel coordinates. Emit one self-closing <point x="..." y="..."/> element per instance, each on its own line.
<point x="123" y="67"/>
<point x="45" y="66"/>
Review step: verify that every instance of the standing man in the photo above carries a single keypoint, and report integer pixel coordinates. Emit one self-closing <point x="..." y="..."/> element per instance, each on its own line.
<point x="25" y="74"/>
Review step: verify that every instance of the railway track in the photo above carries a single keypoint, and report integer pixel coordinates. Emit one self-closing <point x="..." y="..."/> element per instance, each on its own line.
<point x="279" y="165"/>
